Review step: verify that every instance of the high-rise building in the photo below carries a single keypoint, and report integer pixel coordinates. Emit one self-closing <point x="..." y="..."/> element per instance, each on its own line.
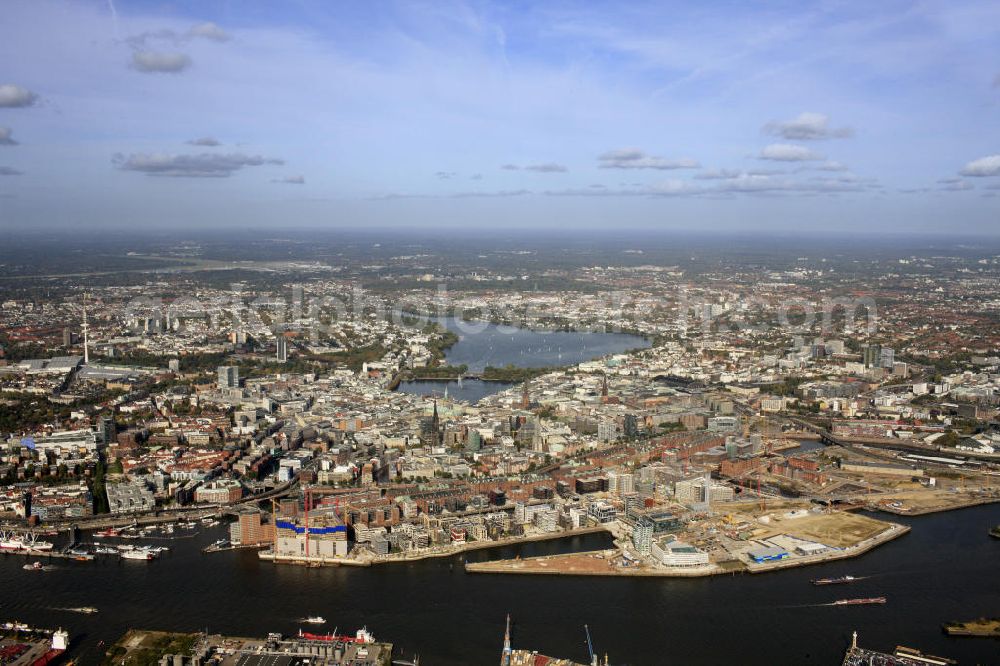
<point x="607" y="430"/>
<point x="872" y="355"/>
<point x="229" y="377"/>
<point x="282" y="349"/>
<point x="631" y="426"/>
<point x="626" y="483"/>
<point x="887" y="356"/>
<point x="642" y="535"/>
<point x="251" y="530"/>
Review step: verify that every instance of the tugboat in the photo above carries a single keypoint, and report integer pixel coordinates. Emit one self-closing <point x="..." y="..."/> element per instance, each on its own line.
<point x="858" y="602"/>
<point x="837" y="581"/>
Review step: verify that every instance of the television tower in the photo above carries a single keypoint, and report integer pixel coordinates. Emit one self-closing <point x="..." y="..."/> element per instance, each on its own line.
<point x="86" y="328"/>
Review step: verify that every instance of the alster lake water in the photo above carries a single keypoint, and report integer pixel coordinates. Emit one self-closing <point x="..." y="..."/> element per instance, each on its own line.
<point x="947" y="568"/>
<point x="483" y="344"/>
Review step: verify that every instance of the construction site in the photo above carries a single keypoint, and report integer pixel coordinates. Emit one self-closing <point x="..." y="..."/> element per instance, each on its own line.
<point x="741" y="537"/>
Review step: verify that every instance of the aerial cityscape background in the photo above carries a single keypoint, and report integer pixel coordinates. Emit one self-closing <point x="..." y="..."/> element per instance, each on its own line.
<point x="796" y="116"/>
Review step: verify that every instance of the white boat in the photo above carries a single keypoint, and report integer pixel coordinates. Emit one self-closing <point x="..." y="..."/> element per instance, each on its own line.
<point x="12" y="543"/>
<point x="37" y="566"/>
<point x="32" y="543"/>
<point x="315" y="619"/>
<point x="138" y="554"/>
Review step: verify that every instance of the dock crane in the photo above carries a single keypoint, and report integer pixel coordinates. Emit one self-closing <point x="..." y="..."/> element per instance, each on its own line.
<point x="590" y="648"/>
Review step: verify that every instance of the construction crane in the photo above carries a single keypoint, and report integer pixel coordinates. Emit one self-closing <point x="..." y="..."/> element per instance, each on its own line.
<point x="590" y="647"/>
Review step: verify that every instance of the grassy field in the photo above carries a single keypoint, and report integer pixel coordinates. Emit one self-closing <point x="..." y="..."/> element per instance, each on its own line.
<point x="145" y="648"/>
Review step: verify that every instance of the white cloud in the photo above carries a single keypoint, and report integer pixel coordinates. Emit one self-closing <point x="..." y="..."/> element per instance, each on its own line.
<point x="291" y="180"/>
<point x="6" y="138"/>
<point x="209" y="30"/>
<point x="633" y="158"/>
<point x="718" y="174"/>
<point x="786" y="152"/>
<point x="831" y="166"/>
<point x="544" y="167"/>
<point x="205" y="165"/>
<point x="984" y="166"/>
<point x="547" y="167"/>
<point x="807" y="127"/>
<point x="740" y="184"/>
<point x="155" y="62"/>
<point x="12" y="96"/>
<point x="954" y="185"/>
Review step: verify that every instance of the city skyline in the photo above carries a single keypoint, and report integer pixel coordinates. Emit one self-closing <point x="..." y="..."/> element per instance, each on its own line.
<point x="788" y="117"/>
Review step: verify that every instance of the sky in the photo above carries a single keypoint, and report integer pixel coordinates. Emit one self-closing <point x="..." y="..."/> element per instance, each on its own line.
<point x="793" y="116"/>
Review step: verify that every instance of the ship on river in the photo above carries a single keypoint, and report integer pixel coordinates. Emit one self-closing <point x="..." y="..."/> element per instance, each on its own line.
<point x="837" y="581"/>
<point x="859" y="602"/>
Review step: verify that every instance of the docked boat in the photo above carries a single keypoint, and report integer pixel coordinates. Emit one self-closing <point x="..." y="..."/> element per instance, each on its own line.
<point x="11" y="543"/>
<point x="859" y="602"/>
<point x="361" y="637"/>
<point x="33" y="543"/>
<point x="837" y="581"/>
<point x="138" y="554"/>
<point x="315" y="619"/>
<point x="109" y="533"/>
<point x="105" y="550"/>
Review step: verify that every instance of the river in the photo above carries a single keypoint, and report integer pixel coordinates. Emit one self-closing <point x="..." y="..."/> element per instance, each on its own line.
<point x="947" y="568"/>
<point x="482" y="344"/>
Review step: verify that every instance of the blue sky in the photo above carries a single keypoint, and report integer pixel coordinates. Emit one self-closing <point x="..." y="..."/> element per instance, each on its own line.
<point x="703" y="115"/>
